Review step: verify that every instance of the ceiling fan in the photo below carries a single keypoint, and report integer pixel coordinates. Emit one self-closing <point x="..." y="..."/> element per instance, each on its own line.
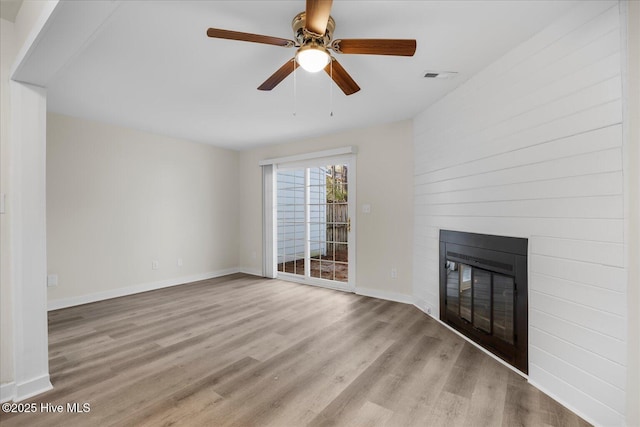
<point x="313" y="34"/>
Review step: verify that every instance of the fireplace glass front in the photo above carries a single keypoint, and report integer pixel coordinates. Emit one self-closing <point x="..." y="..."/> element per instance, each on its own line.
<point x="482" y="298"/>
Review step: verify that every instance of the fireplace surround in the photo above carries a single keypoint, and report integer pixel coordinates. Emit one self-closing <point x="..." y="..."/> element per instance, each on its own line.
<point x="483" y="292"/>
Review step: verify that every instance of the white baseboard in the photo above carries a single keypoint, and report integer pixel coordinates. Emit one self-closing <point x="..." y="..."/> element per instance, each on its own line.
<point x="7" y="391"/>
<point x="135" y="289"/>
<point x="32" y="388"/>
<point x="386" y="295"/>
<point x="563" y="403"/>
<point x="424" y="306"/>
<point x="251" y="271"/>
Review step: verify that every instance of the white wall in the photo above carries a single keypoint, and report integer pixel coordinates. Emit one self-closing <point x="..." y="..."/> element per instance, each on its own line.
<point x="21" y="374"/>
<point x="117" y="199"/>
<point x="532" y="147"/>
<point x="384" y="176"/>
<point x="27" y="209"/>
<point x="632" y="123"/>
<point x="7" y="52"/>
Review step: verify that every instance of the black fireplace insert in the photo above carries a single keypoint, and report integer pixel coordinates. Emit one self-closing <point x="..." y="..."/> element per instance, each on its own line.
<point x="483" y="292"/>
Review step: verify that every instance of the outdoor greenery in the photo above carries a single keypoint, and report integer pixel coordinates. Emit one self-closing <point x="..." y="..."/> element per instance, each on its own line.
<point x="337" y="184"/>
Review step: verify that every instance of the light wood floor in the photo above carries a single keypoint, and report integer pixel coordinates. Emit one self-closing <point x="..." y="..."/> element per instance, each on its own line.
<point x="245" y="351"/>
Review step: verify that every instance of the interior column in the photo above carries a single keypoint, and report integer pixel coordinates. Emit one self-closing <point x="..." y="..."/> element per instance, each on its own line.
<point x="27" y="205"/>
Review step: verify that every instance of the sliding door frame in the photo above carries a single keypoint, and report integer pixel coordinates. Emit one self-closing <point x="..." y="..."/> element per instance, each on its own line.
<point x="270" y="255"/>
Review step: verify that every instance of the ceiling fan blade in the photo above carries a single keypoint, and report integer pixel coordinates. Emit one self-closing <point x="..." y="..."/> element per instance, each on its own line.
<point x="279" y="75"/>
<point x="341" y="77"/>
<point x="248" y="37"/>
<point x="396" y="47"/>
<point x="318" y="12"/>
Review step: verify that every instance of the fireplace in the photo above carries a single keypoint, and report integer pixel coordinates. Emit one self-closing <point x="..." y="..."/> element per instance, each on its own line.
<point x="483" y="292"/>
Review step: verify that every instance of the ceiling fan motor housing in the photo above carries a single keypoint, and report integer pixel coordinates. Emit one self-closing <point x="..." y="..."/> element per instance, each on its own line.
<point x="304" y="36"/>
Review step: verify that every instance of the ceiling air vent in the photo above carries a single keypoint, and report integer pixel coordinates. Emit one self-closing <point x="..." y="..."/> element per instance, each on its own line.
<point x="440" y="74"/>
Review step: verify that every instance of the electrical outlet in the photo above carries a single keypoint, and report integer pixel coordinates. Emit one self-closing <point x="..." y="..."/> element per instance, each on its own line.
<point x="394" y="273"/>
<point x="428" y="310"/>
<point x="179" y="262"/>
<point x="155" y="264"/>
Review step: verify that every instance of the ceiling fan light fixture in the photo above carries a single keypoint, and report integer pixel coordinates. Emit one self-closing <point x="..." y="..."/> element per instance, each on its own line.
<point x="313" y="57"/>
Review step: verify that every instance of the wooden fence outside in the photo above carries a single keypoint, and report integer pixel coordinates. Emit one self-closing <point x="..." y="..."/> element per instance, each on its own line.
<point x="337" y="226"/>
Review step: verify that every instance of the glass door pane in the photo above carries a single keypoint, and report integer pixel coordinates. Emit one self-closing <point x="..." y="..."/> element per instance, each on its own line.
<point x="482" y="300"/>
<point x="314" y="222"/>
<point x="453" y="285"/>
<point x="291" y="221"/>
<point x="329" y="222"/>
<point x="465" y="292"/>
<point x="318" y="247"/>
<point x="503" y="307"/>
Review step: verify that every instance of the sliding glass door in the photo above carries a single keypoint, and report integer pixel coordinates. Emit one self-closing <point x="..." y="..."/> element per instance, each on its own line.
<point x="315" y="242"/>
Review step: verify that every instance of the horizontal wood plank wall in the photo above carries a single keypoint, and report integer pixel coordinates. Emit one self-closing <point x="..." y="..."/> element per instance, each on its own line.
<point x="532" y="147"/>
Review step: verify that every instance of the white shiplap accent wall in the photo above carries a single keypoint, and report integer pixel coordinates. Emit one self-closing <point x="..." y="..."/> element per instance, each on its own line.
<point x="532" y="147"/>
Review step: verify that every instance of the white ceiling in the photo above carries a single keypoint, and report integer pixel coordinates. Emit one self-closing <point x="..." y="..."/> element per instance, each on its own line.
<point x="150" y="65"/>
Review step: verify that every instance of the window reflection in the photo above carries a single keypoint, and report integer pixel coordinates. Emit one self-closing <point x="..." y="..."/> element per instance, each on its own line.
<point x="465" y="292"/>
<point x="452" y="288"/>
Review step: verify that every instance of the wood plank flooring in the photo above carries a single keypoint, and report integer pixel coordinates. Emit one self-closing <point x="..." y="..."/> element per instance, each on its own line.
<point x="246" y="351"/>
